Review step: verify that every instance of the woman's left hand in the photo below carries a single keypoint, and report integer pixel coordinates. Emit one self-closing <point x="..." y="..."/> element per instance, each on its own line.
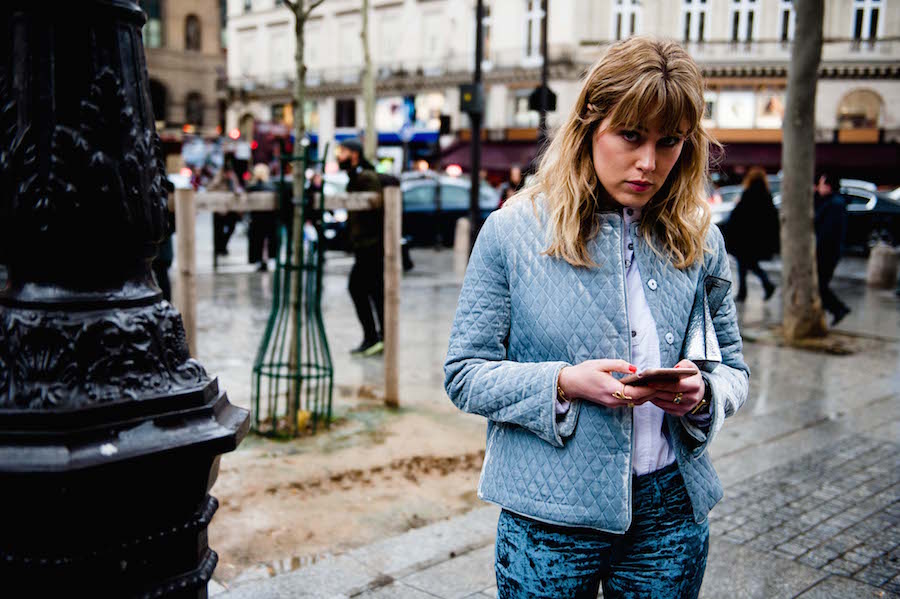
<point x="688" y="392"/>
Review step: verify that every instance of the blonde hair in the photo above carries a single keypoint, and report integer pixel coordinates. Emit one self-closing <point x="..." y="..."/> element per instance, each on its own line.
<point x="640" y="80"/>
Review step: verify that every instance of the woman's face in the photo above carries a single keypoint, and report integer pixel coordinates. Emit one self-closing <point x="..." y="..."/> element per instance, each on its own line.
<point x="633" y="164"/>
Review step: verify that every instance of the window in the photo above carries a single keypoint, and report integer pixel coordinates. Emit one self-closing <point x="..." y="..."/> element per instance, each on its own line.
<point x="866" y="15"/>
<point x="192" y="33"/>
<point x="788" y="20"/>
<point x="158" y="99"/>
<point x="193" y="109"/>
<point x="522" y="116"/>
<point x="693" y="20"/>
<point x="742" y="17"/>
<point x="153" y="29"/>
<point x="860" y="109"/>
<point x="534" y="16"/>
<point x="223" y="23"/>
<point x="389" y="34"/>
<point x="626" y="18"/>
<point x="420" y="197"/>
<point x="248" y="5"/>
<point x="345" y="113"/>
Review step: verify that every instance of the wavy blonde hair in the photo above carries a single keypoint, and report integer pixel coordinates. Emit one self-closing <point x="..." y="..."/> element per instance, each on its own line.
<point x="640" y="80"/>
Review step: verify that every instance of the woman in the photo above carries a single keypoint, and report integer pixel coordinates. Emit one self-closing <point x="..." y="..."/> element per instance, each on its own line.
<point x="753" y="231"/>
<point x="589" y="272"/>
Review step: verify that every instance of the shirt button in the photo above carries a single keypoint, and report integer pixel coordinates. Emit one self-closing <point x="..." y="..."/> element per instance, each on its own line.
<point x="630" y="246"/>
<point x="634" y="333"/>
<point x="670" y="338"/>
<point x="652" y="284"/>
<point x="630" y="211"/>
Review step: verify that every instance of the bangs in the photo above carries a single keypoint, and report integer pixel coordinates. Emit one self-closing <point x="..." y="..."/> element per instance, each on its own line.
<point x="654" y="99"/>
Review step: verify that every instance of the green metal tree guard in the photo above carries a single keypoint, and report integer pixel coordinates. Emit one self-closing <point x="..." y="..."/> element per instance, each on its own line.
<point x="293" y="376"/>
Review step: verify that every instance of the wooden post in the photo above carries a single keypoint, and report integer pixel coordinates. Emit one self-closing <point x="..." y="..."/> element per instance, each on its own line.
<point x="186" y="301"/>
<point x="393" y="210"/>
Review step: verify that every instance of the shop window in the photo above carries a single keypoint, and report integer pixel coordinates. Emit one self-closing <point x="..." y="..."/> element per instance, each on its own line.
<point x="860" y="109"/>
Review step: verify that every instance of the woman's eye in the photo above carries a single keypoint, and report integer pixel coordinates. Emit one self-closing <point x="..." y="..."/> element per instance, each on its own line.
<point x="629" y="135"/>
<point x="669" y="142"/>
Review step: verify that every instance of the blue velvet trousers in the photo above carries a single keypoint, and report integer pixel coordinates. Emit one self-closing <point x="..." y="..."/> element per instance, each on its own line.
<point x="662" y="555"/>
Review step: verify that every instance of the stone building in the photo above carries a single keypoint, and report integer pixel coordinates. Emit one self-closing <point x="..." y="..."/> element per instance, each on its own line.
<point x="184" y="44"/>
<point x="423" y="50"/>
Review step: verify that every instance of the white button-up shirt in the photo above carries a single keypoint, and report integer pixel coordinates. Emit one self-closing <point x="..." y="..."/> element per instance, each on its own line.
<point x="651" y="449"/>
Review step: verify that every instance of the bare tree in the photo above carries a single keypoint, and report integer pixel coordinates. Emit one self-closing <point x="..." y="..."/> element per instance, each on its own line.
<point x="371" y="136"/>
<point x="301" y="11"/>
<point x="803" y="316"/>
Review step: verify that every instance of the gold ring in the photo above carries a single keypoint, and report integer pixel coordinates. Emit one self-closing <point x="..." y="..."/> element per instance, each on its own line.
<point x="677" y="399"/>
<point x="620" y="395"/>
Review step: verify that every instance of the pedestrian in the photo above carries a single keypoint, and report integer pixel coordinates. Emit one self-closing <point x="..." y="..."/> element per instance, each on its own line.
<point x="514" y="182"/>
<point x="831" y="229"/>
<point x="224" y="224"/>
<point x="591" y="271"/>
<point x="366" y="238"/>
<point x="753" y="231"/>
<point x="262" y="232"/>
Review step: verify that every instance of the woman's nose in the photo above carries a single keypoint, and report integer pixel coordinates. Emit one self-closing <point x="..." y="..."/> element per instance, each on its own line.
<point x="647" y="158"/>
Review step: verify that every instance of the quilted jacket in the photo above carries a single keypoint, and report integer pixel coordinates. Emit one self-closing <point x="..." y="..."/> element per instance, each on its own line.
<point x="523" y="316"/>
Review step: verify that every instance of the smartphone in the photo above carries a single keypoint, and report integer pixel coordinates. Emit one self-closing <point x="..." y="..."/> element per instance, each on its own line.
<point x="658" y="375"/>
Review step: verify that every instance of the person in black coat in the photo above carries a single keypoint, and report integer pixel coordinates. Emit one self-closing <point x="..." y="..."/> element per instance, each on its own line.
<point x="753" y="231"/>
<point x="366" y="238"/>
<point x="831" y="228"/>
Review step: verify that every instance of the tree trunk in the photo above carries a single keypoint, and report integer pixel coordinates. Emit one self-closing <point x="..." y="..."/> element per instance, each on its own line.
<point x="299" y="97"/>
<point x="803" y="316"/>
<point x="371" y="136"/>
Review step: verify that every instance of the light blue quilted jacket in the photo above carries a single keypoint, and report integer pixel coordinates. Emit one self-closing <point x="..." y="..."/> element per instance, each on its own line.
<point x="523" y="316"/>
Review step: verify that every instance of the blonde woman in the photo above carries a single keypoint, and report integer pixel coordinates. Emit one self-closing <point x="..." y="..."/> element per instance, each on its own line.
<point x="588" y="274"/>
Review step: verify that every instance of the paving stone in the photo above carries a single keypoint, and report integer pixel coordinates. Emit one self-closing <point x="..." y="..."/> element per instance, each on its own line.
<point x="842" y="567"/>
<point x="458" y="577"/>
<point x="738" y="572"/>
<point x="838" y="587"/>
<point x="395" y="590"/>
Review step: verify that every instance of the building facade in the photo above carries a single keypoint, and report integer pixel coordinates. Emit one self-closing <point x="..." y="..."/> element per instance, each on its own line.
<point x="424" y="49"/>
<point x="185" y="48"/>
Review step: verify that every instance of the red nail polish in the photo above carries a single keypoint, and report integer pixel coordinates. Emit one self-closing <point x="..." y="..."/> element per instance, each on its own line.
<point x="633" y="369"/>
<point x="678" y="366"/>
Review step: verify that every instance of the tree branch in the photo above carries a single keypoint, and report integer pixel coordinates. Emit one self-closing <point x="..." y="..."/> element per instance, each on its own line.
<point x="292" y="4"/>
<point x="312" y="7"/>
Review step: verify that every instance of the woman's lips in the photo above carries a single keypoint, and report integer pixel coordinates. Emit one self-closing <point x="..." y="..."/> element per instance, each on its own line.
<point x="638" y="186"/>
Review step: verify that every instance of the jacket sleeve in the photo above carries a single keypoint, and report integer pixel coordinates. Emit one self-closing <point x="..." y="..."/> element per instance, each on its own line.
<point x="730" y="381"/>
<point x="477" y="376"/>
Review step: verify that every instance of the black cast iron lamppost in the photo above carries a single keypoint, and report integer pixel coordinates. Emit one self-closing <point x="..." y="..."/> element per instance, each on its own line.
<point x="110" y="434"/>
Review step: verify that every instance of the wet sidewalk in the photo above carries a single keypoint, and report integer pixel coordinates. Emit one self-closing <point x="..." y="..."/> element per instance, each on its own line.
<point x="810" y="465"/>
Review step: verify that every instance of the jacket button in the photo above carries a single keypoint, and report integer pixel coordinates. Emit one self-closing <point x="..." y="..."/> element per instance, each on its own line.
<point x="670" y="338"/>
<point x="652" y="284"/>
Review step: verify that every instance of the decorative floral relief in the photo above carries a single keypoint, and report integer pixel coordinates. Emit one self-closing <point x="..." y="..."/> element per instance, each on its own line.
<point x="106" y="177"/>
<point x="68" y="360"/>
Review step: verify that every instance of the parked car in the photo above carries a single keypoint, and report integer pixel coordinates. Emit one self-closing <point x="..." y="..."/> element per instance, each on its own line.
<point x="432" y="204"/>
<point x="871" y="217"/>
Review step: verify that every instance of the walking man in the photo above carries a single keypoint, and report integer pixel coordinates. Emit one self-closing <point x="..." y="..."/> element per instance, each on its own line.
<point x="366" y="237"/>
<point x="831" y="227"/>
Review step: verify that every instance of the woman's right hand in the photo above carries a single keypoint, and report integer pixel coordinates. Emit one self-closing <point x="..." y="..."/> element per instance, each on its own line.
<point x="591" y="381"/>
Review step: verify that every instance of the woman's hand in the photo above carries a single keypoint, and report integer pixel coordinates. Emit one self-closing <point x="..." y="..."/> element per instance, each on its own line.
<point x="688" y="391"/>
<point x="591" y="380"/>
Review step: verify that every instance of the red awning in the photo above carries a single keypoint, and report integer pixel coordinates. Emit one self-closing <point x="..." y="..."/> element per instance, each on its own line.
<point x="495" y="156"/>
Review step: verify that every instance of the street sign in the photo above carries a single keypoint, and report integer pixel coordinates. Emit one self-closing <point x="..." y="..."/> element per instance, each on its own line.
<point x="406" y="132"/>
<point x="534" y="100"/>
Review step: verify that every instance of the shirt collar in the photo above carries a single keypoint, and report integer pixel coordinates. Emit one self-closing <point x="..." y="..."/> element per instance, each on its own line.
<point x="631" y="215"/>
